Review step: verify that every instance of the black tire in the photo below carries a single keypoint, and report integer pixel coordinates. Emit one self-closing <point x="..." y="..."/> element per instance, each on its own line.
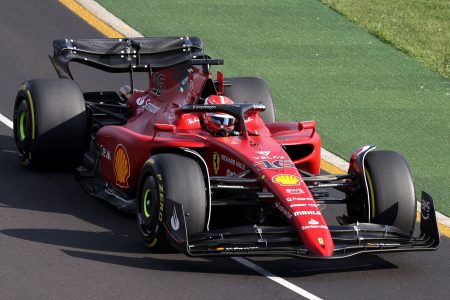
<point x="50" y="123"/>
<point x="178" y="178"/>
<point x="251" y="90"/>
<point x="391" y="190"/>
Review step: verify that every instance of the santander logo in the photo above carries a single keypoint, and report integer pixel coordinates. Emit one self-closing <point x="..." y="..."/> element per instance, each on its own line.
<point x="313" y="222"/>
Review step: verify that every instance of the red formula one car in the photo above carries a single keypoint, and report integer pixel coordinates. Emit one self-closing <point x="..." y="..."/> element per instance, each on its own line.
<point x="202" y="162"/>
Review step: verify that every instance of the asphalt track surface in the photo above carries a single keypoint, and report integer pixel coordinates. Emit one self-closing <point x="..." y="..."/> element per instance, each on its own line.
<point x="58" y="243"/>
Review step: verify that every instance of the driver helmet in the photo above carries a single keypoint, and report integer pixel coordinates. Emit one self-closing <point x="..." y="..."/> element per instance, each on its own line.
<point x="216" y="121"/>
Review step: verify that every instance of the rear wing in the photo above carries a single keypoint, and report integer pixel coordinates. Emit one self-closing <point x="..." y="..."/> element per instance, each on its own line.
<point x="128" y="55"/>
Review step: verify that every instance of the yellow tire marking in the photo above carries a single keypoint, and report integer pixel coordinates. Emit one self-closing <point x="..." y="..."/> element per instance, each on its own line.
<point x="153" y="243"/>
<point x="372" y="196"/>
<point x="33" y="125"/>
<point x="91" y="19"/>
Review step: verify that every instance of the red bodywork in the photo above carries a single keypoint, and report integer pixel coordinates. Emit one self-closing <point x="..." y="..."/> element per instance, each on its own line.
<point x="156" y="126"/>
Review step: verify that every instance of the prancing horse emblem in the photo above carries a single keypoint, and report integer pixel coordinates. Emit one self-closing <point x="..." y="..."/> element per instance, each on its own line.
<point x="216" y="162"/>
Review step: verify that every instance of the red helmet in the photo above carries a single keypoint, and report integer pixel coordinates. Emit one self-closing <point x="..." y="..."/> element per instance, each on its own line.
<point x="216" y="121"/>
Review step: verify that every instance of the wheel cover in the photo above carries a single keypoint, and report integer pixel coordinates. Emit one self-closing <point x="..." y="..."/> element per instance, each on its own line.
<point x="148" y="207"/>
<point x="22" y="125"/>
<point x="22" y="128"/>
<point x="146" y="204"/>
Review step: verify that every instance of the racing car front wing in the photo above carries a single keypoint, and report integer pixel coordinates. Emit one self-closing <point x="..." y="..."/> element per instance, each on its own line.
<point x="349" y="240"/>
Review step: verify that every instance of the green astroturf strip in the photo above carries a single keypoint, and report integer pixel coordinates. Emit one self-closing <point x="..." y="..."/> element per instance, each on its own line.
<point x="320" y="66"/>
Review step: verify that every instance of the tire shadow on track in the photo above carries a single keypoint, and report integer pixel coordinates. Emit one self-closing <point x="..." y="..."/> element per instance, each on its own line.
<point x="58" y="192"/>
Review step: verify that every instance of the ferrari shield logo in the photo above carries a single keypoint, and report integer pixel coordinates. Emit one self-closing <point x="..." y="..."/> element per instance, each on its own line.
<point x="216" y="162"/>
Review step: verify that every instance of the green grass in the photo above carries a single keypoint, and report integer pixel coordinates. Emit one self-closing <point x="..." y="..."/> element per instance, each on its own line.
<point x="320" y="66"/>
<point x="420" y="28"/>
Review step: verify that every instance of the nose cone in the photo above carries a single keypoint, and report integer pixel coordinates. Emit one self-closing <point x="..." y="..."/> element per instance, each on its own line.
<point x="321" y="246"/>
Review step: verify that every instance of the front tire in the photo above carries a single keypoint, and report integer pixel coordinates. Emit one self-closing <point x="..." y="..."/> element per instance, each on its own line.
<point x="391" y="190"/>
<point x="175" y="177"/>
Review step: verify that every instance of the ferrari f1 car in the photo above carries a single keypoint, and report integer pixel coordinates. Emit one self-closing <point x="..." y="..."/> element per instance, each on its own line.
<point x="253" y="187"/>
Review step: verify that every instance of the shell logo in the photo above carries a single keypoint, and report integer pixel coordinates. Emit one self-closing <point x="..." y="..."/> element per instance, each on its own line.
<point x="286" y="179"/>
<point x="121" y="166"/>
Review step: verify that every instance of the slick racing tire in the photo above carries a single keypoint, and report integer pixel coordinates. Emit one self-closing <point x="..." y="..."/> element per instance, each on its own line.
<point x="251" y="90"/>
<point x="50" y="123"/>
<point x="391" y="190"/>
<point x="175" y="177"/>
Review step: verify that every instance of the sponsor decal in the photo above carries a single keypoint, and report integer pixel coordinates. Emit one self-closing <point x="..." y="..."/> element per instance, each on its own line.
<point x="158" y="83"/>
<point x="204" y="107"/>
<point x="313" y="222"/>
<point x="425" y="209"/>
<point x="174" y="222"/>
<point x="145" y="103"/>
<point x="307" y="213"/>
<point x="265" y="155"/>
<point x="314" y="227"/>
<point x="258" y="106"/>
<point x="320" y="240"/>
<point x="193" y="121"/>
<point x="298" y="205"/>
<point x="140" y="100"/>
<point x="294" y="191"/>
<point x="121" y="166"/>
<point x="240" y="248"/>
<point x="104" y="152"/>
<point x="289" y="199"/>
<point x="286" y="179"/>
<point x="283" y="210"/>
<point x="185" y="84"/>
<point x="216" y="162"/>
<point x="232" y="161"/>
<point x="276" y="164"/>
<point x="303" y="205"/>
<point x="383" y="244"/>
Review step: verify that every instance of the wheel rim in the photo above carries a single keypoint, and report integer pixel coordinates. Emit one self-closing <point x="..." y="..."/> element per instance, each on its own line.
<point x="22" y="127"/>
<point x="148" y="206"/>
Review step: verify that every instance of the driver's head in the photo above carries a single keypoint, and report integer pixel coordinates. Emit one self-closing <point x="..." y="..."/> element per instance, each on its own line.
<point x="215" y="121"/>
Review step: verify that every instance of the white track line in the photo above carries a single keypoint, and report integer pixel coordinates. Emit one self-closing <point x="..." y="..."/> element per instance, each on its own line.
<point x="275" y="278"/>
<point x="6" y="121"/>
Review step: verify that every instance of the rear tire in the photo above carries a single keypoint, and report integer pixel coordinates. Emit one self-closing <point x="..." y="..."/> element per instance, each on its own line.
<point x="175" y="177"/>
<point x="50" y="123"/>
<point x="251" y="90"/>
<point x="391" y="190"/>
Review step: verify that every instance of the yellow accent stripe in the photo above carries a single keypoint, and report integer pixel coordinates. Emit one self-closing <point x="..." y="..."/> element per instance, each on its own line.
<point x="372" y="196"/>
<point x="33" y="125"/>
<point x="91" y="19"/>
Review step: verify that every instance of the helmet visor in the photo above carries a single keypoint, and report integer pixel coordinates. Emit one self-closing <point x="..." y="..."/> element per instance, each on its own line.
<point x="222" y="119"/>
